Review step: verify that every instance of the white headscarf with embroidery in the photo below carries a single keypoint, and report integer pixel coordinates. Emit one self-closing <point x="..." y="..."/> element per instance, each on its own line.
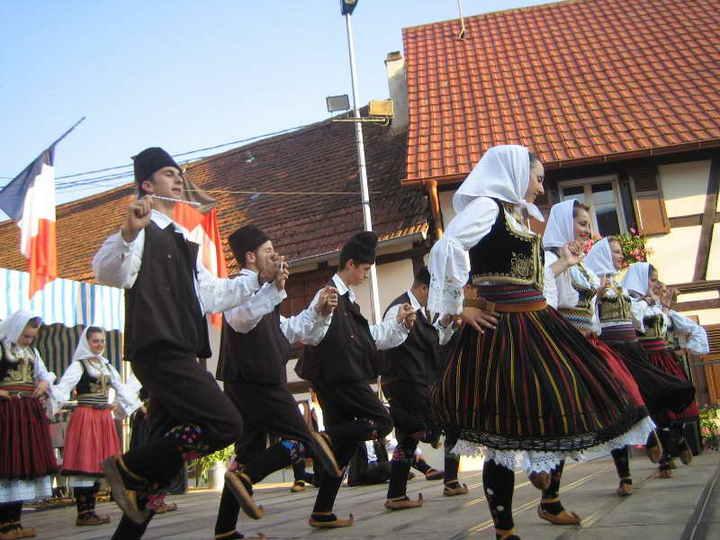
<point x="10" y="331"/>
<point x="560" y="227"/>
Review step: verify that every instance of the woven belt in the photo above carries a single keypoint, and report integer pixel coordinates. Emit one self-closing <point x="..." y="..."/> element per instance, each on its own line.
<point x="19" y="390"/>
<point x="520" y="307"/>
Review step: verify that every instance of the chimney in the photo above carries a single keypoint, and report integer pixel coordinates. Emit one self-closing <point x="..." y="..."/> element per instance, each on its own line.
<point x="397" y="83"/>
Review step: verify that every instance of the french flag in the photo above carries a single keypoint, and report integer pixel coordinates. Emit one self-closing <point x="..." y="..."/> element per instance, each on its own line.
<point x="29" y="200"/>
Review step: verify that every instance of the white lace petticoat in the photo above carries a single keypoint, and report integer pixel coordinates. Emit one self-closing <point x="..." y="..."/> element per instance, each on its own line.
<point x="534" y="461"/>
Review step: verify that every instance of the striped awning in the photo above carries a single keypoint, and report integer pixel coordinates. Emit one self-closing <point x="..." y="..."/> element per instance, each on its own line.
<point x="63" y="301"/>
<point x="56" y="344"/>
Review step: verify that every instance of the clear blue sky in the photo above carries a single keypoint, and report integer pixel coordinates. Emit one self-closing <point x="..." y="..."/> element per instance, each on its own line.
<point x="184" y="74"/>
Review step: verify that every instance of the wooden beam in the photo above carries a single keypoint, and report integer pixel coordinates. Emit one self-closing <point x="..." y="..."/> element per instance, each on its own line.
<point x="697" y="286"/>
<point x="697" y="304"/>
<point x="708" y="222"/>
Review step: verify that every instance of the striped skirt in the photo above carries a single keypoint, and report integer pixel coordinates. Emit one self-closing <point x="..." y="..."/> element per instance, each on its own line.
<point x="535" y="384"/>
<point x="660" y="357"/>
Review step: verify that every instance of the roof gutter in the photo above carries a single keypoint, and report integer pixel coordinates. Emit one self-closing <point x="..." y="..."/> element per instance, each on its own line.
<point x="431" y="188"/>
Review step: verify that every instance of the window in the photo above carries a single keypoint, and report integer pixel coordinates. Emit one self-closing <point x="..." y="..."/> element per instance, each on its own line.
<point x="603" y="197"/>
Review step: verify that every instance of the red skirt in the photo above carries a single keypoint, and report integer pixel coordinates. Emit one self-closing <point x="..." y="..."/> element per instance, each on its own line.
<point x="25" y="448"/>
<point x="91" y="438"/>
<point x="664" y="360"/>
<point x="619" y="369"/>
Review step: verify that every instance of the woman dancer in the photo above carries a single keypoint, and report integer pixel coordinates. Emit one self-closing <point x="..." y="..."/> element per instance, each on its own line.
<point x="26" y="454"/>
<point x="524" y="383"/>
<point x="661" y="391"/>
<point x="577" y="290"/>
<point x="91" y="435"/>
<point x="651" y="322"/>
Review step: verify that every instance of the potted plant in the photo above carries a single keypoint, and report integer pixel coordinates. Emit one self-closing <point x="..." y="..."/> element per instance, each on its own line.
<point x="211" y="468"/>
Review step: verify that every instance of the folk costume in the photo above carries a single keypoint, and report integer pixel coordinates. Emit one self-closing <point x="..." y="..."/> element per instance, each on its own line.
<point x="652" y="323"/>
<point x="661" y="391"/>
<point x="255" y="347"/>
<point x="340" y="368"/>
<point x="407" y="383"/>
<point x="531" y="392"/>
<point x="26" y="454"/>
<point x="91" y="434"/>
<point x="575" y="298"/>
<point x="167" y="293"/>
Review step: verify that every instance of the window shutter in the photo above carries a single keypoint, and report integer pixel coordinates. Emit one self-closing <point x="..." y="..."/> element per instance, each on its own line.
<point x="649" y="203"/>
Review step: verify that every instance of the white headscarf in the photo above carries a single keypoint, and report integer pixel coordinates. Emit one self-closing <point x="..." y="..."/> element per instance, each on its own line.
<point x="560" y="227"/>
<point x="637" y="278"/>
<point x="600" y="259"/>
<point x="83" y="351"/>
<point x="11" y="328"/>
<point x="502" y="173"/>
<point x="10" y="331"/>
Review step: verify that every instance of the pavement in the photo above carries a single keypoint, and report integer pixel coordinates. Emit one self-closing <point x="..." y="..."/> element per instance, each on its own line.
<point x="686" y="507"/>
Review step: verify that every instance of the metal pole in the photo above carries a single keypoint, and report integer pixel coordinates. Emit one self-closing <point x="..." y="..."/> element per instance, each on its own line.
<point x="364" y="192"/>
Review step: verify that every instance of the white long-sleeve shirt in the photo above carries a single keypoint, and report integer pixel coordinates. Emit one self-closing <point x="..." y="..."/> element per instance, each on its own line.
<point x="444" y="332"/>
<point x="563" y="294"/>
<point x="308" y="327"/>
<point x="386" y="334"/>
<point x="642" y="310"/>
<point x="124" y="395"/>
<point x="449" y="261"/>
<point x="117" y="264"/>
<point x="693" y="337"/>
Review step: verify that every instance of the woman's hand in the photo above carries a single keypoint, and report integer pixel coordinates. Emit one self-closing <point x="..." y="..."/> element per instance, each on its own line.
<point x="479" y="319"/>
<point x="41" y="389"/>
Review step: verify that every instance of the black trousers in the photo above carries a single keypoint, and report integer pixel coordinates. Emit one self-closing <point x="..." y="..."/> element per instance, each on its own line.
<point x="352" y="413"/>
<point x="185" y="399"/>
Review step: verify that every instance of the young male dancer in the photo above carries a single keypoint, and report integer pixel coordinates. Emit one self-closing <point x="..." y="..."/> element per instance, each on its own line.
<point x="167" y="293"/>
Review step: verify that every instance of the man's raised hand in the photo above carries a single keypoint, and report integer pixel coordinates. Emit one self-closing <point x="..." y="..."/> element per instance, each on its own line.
<point x="138" y="217"/>
<point x="327" y="301"/>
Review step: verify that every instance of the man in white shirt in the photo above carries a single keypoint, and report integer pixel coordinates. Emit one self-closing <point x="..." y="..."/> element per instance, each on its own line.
<point x="167" y="293"/>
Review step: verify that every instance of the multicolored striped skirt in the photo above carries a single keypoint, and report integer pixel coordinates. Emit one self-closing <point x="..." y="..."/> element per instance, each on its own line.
<point x="660" y="357"/>
<point x="533" y="384"/>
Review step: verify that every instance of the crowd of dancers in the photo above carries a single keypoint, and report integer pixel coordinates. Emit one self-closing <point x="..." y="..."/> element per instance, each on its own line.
<point x="514" y="346"/>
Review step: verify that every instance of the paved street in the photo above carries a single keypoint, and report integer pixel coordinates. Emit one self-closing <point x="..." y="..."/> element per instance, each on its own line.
<point x="684" y="507"/>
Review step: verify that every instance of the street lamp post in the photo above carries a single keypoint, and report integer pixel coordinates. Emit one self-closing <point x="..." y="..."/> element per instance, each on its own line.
<point x="347" y="8"/>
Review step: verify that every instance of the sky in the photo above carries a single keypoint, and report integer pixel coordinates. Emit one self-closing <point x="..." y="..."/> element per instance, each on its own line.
<point x="184" y="74"/>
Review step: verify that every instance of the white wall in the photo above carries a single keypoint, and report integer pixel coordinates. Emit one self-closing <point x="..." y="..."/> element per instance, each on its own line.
<point x="684" y="186"/>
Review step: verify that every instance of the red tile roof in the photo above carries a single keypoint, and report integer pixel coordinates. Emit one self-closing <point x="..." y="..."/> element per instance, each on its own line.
<point x="580" y="81"/>
<point x="318" y="158"/>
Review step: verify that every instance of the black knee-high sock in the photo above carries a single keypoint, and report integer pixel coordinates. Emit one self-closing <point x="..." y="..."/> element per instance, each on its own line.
<point x="553" y="491"/>
<point x="329" y="485"/>
<point x="228" y="512"/>
<point x="299" y="471"/>
<point x="127" y="529"/>
<point x="7" y="516"/>
<point x="499" y="485"/>
<point x="84" y="499"/>
<point x="400" y="465"/>
<point x="277" y="457"/>
<point x="621" y="457"/>
<point x="16" y="512"/>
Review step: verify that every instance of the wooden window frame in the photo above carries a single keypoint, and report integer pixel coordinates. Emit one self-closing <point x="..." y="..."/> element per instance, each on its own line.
<point x="587" y="184"/>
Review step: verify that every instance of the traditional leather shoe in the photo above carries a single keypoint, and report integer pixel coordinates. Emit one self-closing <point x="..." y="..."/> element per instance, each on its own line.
<point x="234" y="534"/>
<point x="164" y="508"/>
<point x="325" y="443"/>
<point x="124" y="497"/>
<point x="240" y="485"/>
<point x="541" y="480"/>
<point x="654" y="448"/>
<point x="563" y="518"/>
<point x="434" y="474"/>
<point x="625" y="488"/>
<point x="90" y="519"/>
<point x="11" y="533"/>
<point x="298" y="486"/>
<point x="330" y="524"/>
<point x="664" y="473"/>
<point x="685" y="454"/>
<point x="403" y="503"/>
<point x="672" y="464"/>
<point x="501" y="534"/>
<point x="22" y="532"/>
<point x="448" y="491"/>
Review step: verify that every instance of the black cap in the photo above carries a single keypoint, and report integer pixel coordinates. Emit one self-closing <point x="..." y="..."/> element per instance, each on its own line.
<point x="360" y="248"/>
<point x="150" y="161"/>
<point x="423" y="276"/>
<point x="247" y="238"/>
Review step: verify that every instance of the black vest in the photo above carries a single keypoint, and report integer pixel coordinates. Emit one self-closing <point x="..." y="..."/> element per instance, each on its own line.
<point x="505" y="255"/>
<point x="15" y="373"/>
<point x="258" y="357"/>
<point x="162" y="308"/>
<point x="91" y="389"/>
<point x="346" y="354"/>
<point x="418" y="359"/>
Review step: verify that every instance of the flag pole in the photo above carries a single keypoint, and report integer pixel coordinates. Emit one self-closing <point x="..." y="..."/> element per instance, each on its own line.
<point x="76" y="124"/>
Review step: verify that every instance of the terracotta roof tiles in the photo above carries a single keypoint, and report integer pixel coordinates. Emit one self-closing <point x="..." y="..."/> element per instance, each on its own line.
<point x="577" y="80"/>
